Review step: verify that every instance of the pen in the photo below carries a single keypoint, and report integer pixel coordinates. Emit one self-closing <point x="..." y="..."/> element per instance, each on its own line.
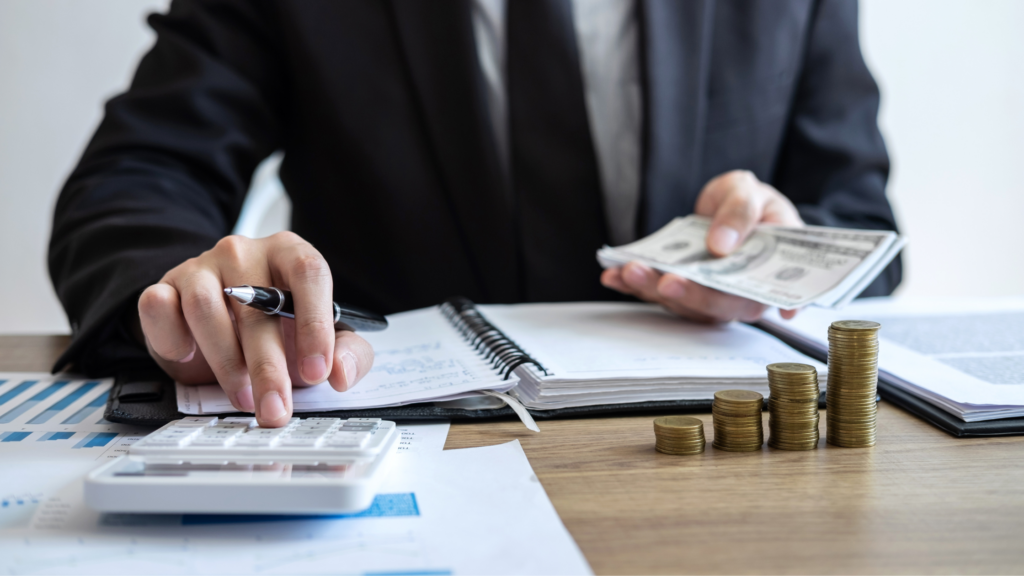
<point x="277" y="302"/>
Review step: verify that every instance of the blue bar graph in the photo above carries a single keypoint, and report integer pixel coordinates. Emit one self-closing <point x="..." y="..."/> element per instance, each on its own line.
<point x="89" y="408"/>
<point x="63" y="403"/>
<point x="55" y="436"/>
<point x="96" y="440"/>
<point x="400" y="504"/>
<point x="15" y="391"/>
<point x="31" y="402"/>
<point x="13" y="436"/>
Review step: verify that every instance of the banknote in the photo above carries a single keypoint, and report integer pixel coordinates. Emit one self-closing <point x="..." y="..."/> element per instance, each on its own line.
<point x="777" y="266"/>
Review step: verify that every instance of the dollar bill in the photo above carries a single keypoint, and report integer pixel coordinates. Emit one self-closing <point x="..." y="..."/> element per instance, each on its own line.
<point x="777" y="266"/>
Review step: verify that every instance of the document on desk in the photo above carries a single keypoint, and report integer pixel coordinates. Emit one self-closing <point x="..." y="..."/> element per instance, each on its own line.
<point x="45" y="416"/>
<point x="471" y="511"/>
<point x="965" y="356"/>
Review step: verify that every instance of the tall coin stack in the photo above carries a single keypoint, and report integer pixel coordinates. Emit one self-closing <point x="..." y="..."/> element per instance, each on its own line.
<point x="679" y="435"/>
<point x="793" y="406"/>
<point x="737" y="416"/>
<point x="851" y="410"/>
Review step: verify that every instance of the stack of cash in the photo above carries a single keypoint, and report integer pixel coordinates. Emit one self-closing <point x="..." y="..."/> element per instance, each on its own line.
<point x="777" y="266"/>
<point x="793" y="406"/>
<point x="852" y="383"/>
<point x="737" y="420"/>
<point x="679" y="435"/>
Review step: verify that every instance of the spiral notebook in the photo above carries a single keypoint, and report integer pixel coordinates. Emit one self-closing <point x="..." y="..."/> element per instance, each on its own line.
<point x="546" y="357"/>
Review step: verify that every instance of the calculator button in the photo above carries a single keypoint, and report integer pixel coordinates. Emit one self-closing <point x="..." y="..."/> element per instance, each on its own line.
<point x="365" y="427"/>
<point x="210" y="420"/>
<point x="209" y="441"/>
<point x="178" y="432"/>
<point x="254" y="442"/>
<point x="248" y="422"/>
<point x="347" y="439"/>
<point x="299" y="441"/>
<point x="373" y="420"/>
<point x="323" y="420"/>
<point x="161" y="442"/>
<point x="311" y="431"/>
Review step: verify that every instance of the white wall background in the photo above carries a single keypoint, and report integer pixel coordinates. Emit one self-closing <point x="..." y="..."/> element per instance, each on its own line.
<point x="951" y="72"/>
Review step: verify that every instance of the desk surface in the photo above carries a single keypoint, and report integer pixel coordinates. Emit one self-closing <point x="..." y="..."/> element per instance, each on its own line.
<point x="920" y="501"/>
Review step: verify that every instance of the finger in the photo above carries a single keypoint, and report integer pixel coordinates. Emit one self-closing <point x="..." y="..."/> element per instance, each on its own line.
<point x="779" y="210"/>
<point x="306" y="273"/>
<point x="164" y="324"/>
<point x="265" y="361"/>
<point x="789" y="314"/>
<point x="202" y="303"/>
<point x="353" y="358"/>
<point x="612" y="278"/>
<point x="738" y="212"/>
<point x="641" y="280"/>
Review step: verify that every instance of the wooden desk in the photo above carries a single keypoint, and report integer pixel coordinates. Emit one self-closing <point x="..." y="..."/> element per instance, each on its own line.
<point x="919" y="502"/>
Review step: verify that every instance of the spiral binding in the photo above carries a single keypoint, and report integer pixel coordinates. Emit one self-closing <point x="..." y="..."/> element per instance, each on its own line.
<point x="485" y="338"/>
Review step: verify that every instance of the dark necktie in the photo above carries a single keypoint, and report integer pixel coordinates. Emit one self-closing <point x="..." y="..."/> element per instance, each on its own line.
<point x="554" y="168"/>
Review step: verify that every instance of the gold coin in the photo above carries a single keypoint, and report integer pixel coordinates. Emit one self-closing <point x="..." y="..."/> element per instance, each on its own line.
<point x="855" y="325"/>
<point x="678" y="422"/>
<point x="740" y="396"/>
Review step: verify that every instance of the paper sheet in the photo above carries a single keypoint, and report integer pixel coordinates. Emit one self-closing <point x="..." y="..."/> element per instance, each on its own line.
<point x="964" y="355"/>
<point x="471" y="511"/>
<point x="45" y="416"/>
<point x="420" y="357"/>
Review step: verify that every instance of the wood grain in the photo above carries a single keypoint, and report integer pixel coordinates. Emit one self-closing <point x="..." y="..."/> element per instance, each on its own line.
<point x="920" y="501"/>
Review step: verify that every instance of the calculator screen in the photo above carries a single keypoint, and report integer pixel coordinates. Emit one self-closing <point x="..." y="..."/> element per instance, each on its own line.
<point x="273" y="470"/>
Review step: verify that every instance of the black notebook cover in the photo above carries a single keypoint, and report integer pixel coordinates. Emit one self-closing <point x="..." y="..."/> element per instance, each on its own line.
<point x="149" y="399"/>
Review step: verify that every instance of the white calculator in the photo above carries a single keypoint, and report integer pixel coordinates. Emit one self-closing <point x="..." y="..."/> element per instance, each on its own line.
<point x="232" y="466"/>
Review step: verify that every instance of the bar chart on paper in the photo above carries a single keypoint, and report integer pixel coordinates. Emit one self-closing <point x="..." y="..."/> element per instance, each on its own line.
<point x="45" y="416"/>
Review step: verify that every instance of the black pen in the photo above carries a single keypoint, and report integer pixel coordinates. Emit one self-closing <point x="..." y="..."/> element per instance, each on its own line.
<point x="275" y="301"/>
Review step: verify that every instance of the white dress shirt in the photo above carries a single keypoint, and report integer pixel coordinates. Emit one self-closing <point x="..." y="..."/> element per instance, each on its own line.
<point x="607" y="38"/>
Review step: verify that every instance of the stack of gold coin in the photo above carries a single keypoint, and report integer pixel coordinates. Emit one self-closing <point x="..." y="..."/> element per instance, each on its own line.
<point x="679" y="435"/>
<point x="852" y="383"/>
<point x="737" y="416"/>
<point x="793" y="406"/>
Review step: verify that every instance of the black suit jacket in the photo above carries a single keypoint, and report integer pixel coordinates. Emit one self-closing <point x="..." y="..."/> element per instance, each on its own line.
<point x="390" y="159"/>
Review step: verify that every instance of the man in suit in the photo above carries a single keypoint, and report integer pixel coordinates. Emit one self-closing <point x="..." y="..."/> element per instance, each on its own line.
<point x="477" y="147"/>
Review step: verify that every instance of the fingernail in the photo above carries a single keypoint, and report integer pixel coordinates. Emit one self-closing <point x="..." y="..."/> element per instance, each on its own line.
<point x="672" y="289"/>
<point x="189" y="357"/>
<point x="271" y="407"/>
<point x="244" y="401"/>
<point x="314" y="369"/>
<point x="723" y="239"/>
<point x="348" y="362"/>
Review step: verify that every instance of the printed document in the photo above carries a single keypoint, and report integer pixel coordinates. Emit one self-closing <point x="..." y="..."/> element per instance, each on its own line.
<point x="965" y="356"/>
<point x="470" y="511"/>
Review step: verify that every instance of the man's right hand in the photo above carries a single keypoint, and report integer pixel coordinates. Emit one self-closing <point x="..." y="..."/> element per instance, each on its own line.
<point x="198" y="336"/>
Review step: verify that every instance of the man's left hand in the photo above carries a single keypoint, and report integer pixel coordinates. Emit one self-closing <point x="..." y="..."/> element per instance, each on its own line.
<point x="736" y="202"/>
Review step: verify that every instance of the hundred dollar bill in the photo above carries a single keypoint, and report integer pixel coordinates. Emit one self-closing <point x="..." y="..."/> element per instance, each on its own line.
<point x="777" y="266"/>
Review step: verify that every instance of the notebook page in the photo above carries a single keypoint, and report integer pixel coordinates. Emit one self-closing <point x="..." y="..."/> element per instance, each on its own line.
<point x="622" y="340"/>
<point x="419" y="357"/>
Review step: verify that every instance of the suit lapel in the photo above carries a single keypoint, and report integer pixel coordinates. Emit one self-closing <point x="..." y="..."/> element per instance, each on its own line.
<point x="677" y="50"/>
<point x="438" y="42"/>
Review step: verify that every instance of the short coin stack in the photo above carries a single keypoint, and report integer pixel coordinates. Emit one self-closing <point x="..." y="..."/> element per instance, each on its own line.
<point x="852" y="383"/>
<point x="793" y="406"/>
<point x="679" y="435"/>
<point x="737" y="416"/>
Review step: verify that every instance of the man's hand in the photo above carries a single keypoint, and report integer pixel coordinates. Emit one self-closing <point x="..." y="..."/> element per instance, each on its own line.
<point x="736" y="202"/>
<point x="198" y="336"/>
